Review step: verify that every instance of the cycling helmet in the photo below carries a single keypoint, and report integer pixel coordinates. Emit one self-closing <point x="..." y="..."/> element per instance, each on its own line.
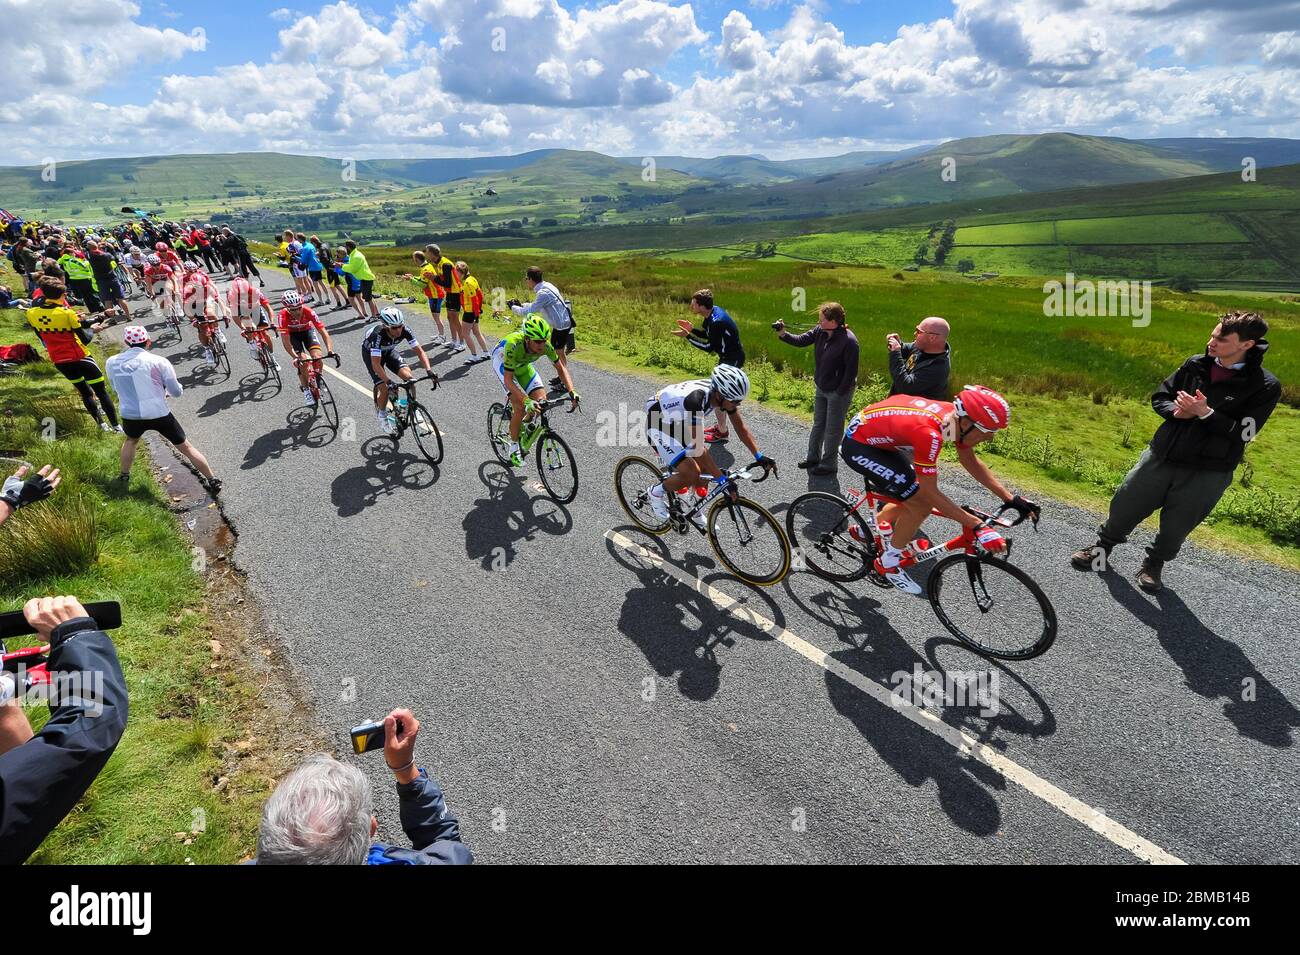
<point x="154" y="260"/>
<point x="730" y="382"/>
<point x="135" y="335"/>
<point x="535" y="327"/>
<point x="291" y="299"/>
<point x="986" y="409"/>
<point x="191" y="266"/>
<point x="160" y="246"/>
<point x="392" y="316"/>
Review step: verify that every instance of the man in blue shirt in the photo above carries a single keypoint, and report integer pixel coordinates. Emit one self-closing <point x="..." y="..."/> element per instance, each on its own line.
<point x="719" y="336"/>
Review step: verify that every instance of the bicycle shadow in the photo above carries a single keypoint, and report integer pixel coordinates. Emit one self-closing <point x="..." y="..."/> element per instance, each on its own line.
<point x="252" y="387"/>
<point x="877" y="651"/>
<point x="304" y="428"/>
<point x="495" y="525"/>
<point x="387" y="471"/>
<point x="657" y="616"/>
<point x="1212" y="666"/>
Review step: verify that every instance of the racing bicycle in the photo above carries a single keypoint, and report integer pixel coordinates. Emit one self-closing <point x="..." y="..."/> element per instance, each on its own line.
<point x="217" y="342"/>
<point x="265" y="354"/>
<point x="989" y="604"/>
<point x="744" y="535"/>
<point x="407" y="414"/>
<point x="555" y="462"/>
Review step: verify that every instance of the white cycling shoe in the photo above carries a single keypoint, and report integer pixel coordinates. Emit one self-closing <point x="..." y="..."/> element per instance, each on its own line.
<point x="658" y="502"/>
<point x="892" y="573"/>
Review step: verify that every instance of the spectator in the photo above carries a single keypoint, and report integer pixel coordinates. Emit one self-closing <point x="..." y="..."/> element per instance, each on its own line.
<point x="19" y="490"/>
<point x="322" y="812"/>
<point x="26" y="262"/>
<point x="720" y="336"/>
<point x="43" y="775"/>
<point x="548" y="300"/>
<point x="103" y="264"/>
<point x="143" y="381"/>
<point x="61" y="332"/>
<point x="1212" y="406"/>
<point x="835" y="376"/>
<point x="357" y="266"/>
<point x="242" y="256"/>
<point x="921" y="368"/>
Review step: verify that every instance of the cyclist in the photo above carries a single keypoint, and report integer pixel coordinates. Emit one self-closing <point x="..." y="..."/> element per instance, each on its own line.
<point x="202" y="304"/>
<point x="301" y="332"/>
<point x="877" y="443"/>
<point x="674" y="413"/>
<point x="60" y="331"/>
<point x="380" y="349"/>
<point x="252" y="313"/>
<point x="512" y="359"/>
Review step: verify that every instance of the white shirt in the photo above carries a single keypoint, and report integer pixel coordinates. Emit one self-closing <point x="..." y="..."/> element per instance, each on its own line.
<point x="142" y="381"/>
<point x="547" y="300"/>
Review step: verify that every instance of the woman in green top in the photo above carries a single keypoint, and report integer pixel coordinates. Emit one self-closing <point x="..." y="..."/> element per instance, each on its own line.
<point x="357" y="266"/>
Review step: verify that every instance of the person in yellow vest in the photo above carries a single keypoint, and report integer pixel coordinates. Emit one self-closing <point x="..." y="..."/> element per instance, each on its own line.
<point x="448" y="282"/>
<point x="431" y="292"/>
<point x="471" y="295"/>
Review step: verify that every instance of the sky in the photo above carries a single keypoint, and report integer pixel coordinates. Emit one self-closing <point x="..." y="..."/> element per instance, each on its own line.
<point x="422" y="78"/>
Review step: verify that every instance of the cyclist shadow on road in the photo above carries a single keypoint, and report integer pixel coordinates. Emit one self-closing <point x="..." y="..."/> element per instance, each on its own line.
<point x="252" y="387"/>
<point x="304" y="429"/>
<point x="678" y="629"/>
<point x="510" y="514"/>
<point x="880" y="653"/>
<point x="1212" y="666"/>
<point x="387" y="471"/>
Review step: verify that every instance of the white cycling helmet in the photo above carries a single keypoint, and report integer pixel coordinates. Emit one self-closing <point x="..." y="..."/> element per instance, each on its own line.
<point x="392" y="316"/>
<point x="730" y="382"/>
<point x="291" y="299"/>
<point x="191" y="266"/>
<point x="154" y="260"/>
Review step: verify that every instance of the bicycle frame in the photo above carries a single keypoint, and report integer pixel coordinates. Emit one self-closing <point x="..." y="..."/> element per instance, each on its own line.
<point x="965" y="541"/>
<point x="719" y="484"/>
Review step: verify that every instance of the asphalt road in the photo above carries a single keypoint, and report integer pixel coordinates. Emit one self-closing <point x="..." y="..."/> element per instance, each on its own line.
<point x="582" y="704"/>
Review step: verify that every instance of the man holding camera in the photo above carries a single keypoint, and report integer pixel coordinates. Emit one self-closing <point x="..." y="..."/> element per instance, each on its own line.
<point x="922" y="367"/>
<point x="835" y="373"/>
<point x="43" y="775"/>
<point x="322" y="813"/>
<point x="548" y="300"/>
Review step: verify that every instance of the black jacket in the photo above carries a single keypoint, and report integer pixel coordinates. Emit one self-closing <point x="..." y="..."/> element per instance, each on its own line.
<point x="915" y="372"/>
<point x="1241" y="403"/>
<point x="41" y="780"/>
<point x="835" y="357"/>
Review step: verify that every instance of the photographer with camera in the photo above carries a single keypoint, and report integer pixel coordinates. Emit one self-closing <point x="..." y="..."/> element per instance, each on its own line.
<point x="322" y="813"/>
<point x="43" y="775"/>
<point x="835" y="375"/>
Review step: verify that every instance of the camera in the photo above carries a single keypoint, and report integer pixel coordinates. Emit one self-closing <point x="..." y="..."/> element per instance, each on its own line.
<point x="370" y="736"/>
<point x="778" y="325"/>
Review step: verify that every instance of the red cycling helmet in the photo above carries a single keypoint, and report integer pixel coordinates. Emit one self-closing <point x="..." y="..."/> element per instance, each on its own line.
<point x="160" y="246"/>
<point x="986" y="409"/>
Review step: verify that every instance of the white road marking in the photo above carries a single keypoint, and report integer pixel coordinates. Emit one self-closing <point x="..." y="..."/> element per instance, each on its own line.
<point x="965" y="744"/>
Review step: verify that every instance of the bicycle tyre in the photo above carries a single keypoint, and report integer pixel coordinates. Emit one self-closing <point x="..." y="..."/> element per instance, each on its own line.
<point x="498" y="422"/>
<point x="414" y="413"/>
<point x="325" y="401"/>
<point x="563" y="459"/>
<point x="976" y="567"/>
<point x="223" y="358"/>
<point x="724" y="505"/>
<point x="637" y="508"/>
<point x="802" y="518"/>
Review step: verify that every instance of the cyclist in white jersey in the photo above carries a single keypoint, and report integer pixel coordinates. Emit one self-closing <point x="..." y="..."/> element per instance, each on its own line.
<point x="673" y="427"/>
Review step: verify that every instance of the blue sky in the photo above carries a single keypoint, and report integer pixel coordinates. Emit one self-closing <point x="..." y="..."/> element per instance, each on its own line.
<point x="785" y="79"/>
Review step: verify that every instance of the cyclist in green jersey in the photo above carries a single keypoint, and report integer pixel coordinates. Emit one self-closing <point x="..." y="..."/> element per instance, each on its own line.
<point x="512" y="360"/>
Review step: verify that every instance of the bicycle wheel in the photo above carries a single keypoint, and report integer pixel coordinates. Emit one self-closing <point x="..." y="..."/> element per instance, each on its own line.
<point x="325" y="401"/>
<point x="818" y="524"/>
<point x="558" y="469"/>
<point x="748" y="540"/>
<point x="268" y="364"/>
<point x="427" y="436"/>
<point x="991" y="606"/>
<point x="222" y="357"/>
<point x="633" y="478"/>
<point x="499" y="431"/>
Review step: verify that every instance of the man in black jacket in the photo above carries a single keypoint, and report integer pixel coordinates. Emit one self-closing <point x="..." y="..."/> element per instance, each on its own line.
<point x="1212" y="406"/>
<point x="43" y="776"/>
<point x="922" y="367"/>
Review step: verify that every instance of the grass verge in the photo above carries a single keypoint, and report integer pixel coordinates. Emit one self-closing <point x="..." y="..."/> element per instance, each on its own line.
<point x="189" y="777"/>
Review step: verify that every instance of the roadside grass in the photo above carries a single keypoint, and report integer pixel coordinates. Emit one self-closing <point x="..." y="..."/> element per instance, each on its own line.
<point x="185" y="706"/>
